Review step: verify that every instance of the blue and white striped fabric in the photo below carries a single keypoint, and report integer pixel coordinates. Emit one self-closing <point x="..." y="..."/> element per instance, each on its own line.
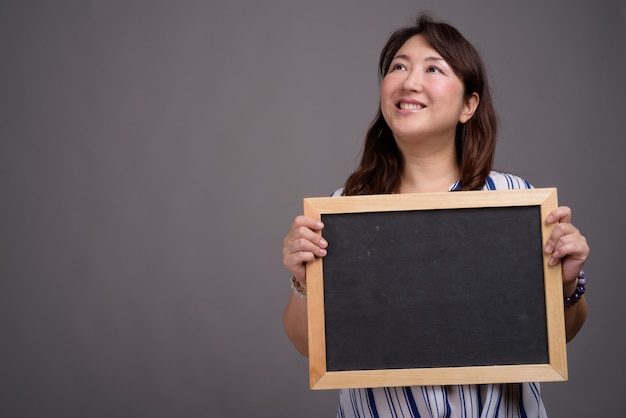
<point x="501" y="181"/>
<point x="515" y="400"/>
<point x="495" y="181"/>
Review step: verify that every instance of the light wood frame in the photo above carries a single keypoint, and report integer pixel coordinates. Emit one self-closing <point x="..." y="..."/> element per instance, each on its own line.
<point x="555" y="370"/>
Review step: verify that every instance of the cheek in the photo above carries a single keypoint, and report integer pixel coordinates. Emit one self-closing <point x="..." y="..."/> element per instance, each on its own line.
<point x="451" y="90"/>
<point x="389" y="88"/>
<point x="385" y="89"/>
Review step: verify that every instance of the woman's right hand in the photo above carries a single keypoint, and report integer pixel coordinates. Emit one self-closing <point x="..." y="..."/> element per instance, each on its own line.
<point x="302" y="244"/>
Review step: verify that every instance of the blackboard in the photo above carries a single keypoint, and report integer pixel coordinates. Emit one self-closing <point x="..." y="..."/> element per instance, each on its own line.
<point x="437" y="288"/>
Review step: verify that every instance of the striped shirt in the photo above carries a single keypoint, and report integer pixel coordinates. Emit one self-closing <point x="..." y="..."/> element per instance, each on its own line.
<point x="514" y="400"/>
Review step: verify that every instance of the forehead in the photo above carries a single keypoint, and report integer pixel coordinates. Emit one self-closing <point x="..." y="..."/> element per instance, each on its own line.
<point x="417" y="46"/>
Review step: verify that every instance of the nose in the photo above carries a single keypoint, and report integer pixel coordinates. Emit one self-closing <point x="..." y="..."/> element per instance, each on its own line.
<point x="412" y="81"/>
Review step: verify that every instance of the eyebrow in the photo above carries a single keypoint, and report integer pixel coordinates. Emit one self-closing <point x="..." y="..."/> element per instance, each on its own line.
<point x="434" y="59"/>
<point x="406" y="57"/>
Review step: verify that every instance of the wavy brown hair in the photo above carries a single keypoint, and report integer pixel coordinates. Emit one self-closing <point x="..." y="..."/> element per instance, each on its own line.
<point x="382" y="162"/>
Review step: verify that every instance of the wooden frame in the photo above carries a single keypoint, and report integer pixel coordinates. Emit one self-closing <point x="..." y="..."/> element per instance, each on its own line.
<point x="553" y="370"/>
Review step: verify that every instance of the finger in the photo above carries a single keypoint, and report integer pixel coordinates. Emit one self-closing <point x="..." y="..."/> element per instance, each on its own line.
<point x="571" y="268"/>
<point x="303" y="239"/>
<point x="572" y="246"/>
<point x="299" y="272"/>
<point x="304" y="244"/>
<point x="560" y="214"/>
<point x="308" y="222"/>
<point x="295" y="263"/>
<point x="301" y="246"/>
<point x="307" y="228"/>
<point x="560" y="230"/>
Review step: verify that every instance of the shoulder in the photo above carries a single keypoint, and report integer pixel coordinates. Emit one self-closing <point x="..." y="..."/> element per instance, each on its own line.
<point x="505" y="181"/>
<point x="337" y="192"/>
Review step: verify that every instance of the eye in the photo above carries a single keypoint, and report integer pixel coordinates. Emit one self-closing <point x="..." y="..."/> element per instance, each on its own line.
<point x="398" y="67"/>
<point x="433" y="69"/>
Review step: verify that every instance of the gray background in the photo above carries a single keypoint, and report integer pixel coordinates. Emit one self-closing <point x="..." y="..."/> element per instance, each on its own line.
<point x="154" y="153"/>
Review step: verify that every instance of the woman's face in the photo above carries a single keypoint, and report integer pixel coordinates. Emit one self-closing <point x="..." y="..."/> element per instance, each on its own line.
<point x="421" y="98"/>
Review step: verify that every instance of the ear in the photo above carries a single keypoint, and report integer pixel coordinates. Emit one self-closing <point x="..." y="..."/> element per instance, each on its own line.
<point x="469" y="107"/>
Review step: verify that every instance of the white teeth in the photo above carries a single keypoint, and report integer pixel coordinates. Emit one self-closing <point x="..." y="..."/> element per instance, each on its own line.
<point x="410" y="106"/>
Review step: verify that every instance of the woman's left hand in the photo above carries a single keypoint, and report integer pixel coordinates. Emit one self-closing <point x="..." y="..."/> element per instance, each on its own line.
<point x="567" y="245"/>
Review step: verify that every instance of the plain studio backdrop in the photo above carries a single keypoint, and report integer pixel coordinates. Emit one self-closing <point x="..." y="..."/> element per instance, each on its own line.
<point x="154" y="153"/>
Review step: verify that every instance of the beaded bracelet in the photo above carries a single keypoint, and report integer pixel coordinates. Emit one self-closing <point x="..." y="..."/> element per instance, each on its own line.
<point x="579" y="292"/>
<point x="298" y="288"/>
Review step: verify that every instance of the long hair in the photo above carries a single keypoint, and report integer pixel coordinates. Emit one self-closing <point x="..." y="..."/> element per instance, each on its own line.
<point x="382" y="162"/>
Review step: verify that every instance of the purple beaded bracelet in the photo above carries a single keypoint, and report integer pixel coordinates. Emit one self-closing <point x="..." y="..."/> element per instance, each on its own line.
<point x="580" y="290"/>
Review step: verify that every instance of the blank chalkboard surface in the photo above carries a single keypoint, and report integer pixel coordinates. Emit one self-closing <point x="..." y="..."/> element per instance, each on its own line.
<point x="438" y="288"/>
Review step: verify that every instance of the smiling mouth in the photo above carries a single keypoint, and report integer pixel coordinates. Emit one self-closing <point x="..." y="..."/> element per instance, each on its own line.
<point x="410" y="106"/>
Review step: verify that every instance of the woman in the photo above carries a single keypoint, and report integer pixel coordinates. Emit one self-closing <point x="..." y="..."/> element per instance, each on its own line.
<point x="435" y="131"/>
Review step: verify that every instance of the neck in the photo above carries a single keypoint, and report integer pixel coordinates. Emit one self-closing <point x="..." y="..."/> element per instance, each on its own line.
<point x="429" y="172"/>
